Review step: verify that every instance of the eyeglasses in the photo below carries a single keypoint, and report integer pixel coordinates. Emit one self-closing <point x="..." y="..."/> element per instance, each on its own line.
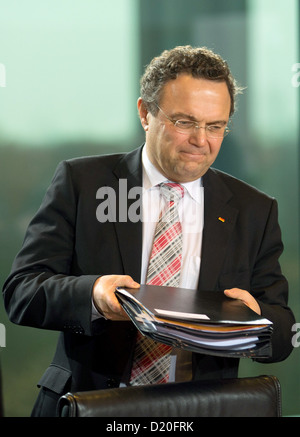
<point x="187" y="126"/>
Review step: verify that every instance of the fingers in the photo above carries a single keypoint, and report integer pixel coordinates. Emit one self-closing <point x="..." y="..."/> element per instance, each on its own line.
<point x="245" y="297"/>
<point x="104" y="295"/>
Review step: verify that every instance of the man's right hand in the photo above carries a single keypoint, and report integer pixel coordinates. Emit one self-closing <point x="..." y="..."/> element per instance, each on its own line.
<point x="104" y="295"/>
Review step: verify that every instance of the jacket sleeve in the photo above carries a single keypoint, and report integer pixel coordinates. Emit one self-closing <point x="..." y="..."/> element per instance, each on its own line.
<point x="41" y="290"/>
<point x="270" y="287"/>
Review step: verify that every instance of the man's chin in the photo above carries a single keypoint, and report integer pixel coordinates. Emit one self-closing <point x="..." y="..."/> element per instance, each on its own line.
<point x="190" y="172"/>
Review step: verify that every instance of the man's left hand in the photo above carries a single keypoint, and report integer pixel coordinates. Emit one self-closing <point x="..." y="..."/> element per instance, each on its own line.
<point x="245" y="297"/>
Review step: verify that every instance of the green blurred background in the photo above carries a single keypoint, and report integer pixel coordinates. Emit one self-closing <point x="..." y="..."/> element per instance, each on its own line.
<point x="69" y="81"/>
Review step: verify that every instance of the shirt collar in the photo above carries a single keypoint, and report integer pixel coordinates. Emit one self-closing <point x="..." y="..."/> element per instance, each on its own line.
<point x="152" y="177"/>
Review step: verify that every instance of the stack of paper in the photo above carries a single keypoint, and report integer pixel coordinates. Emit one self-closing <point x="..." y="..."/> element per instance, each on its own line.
<point x="200" y="321"/>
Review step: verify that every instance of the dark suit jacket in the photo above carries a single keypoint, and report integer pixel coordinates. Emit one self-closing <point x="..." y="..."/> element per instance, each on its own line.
<point x="66" y="249"/>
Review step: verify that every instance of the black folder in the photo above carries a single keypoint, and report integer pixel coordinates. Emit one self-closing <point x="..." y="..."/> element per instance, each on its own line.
<point x="200" y="321"/>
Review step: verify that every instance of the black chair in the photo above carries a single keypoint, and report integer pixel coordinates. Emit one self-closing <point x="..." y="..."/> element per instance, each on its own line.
<point x="243" y="397"/>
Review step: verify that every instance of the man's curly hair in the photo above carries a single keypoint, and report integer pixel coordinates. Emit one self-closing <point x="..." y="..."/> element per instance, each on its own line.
<point x="199" y="62"/>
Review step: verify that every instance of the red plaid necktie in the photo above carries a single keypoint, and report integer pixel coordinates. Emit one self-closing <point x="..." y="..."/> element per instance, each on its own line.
<point x="152" y="360"/>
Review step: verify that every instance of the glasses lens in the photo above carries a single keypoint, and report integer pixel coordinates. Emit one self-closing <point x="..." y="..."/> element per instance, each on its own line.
<point x="186" y="127"/>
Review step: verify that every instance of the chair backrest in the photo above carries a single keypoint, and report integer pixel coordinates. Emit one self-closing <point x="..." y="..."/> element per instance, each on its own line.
<point x="242" y="397"/>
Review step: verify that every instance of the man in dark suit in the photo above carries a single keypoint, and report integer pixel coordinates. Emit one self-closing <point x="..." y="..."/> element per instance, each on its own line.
<point x="87" y="237"/>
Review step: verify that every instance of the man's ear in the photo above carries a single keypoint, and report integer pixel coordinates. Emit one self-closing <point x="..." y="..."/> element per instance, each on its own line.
<point x="143" y="113"/>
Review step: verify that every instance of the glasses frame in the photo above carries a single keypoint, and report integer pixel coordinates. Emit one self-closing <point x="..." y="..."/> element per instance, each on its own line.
<point x="195" y="126"/>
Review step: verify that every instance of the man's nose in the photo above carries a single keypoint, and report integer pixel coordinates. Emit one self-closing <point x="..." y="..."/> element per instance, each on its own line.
<point x="199" y="134"/>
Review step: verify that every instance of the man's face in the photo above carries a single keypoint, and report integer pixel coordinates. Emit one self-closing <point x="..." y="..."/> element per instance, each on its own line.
<point x="184" y="157"/>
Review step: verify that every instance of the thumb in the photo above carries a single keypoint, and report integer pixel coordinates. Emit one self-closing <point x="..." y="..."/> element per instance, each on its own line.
<point x="126" y="281"/>
<point x="234" y="293"/>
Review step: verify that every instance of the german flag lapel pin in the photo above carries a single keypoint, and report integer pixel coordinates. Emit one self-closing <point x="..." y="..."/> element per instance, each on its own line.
<point x="221" y="219"/>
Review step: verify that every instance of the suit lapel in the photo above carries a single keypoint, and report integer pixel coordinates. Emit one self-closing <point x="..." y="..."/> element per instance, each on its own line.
<point x="128" y="174"/>
<point x="219" y="222"/>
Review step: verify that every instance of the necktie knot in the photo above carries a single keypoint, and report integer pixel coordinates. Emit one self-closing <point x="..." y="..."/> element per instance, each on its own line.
<point x="171" y="191"/>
